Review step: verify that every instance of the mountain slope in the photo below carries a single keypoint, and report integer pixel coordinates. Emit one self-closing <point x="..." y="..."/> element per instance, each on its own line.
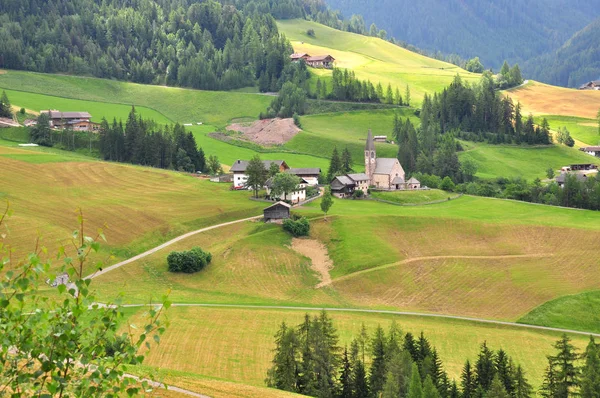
<point x="493" y="30"/>
<point x="575" y="63"/>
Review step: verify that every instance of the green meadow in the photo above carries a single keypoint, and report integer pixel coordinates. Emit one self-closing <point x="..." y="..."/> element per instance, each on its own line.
<point x="374" y="59"/>
<point x="584" y="130"/>
<point x="411" y="198"/>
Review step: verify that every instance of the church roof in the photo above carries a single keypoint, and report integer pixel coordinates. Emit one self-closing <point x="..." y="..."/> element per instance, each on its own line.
<point x="370" y="143"/>
<point x="385" y="165"/>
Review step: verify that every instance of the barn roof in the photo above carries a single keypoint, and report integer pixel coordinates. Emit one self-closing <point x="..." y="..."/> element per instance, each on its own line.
<point x="67" y="115"/>
<point x="345" y="180"/>
<point x="280" y="203"/>
<point x="317" y="58"/>
<point x="242" y="165"/>
<point x="385" y="165"/>
<point x="359" y="177"/>
<point x="299" y="55"/>
<point x="562" y="178"/>
<point x="305" y="171"/>
<point x="591" y="149"/>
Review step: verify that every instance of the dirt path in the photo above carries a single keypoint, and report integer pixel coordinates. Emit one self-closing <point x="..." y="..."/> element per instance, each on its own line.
<point x="166" y="244"/>
<point x="317" y="252"/>
<point x="413" y="259"/>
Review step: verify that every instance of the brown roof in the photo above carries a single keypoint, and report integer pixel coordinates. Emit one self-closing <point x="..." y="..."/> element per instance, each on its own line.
<point x="591" y="149"/>
<point x="68" y="115"/>
<point x="304" y="171"/>
<point x="299" y="55"/>
<point x="241" y="165"/>
<point x="279" y="204"/>
<point x="317" y="58"/>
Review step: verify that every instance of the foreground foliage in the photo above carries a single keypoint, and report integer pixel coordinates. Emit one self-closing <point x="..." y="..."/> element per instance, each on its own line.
<point x="67" y="345"/>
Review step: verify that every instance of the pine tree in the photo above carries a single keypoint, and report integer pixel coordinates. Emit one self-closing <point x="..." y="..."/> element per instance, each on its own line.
<point x="335" y="165"/>
<point x="497" y="390"/>
<point x="505" y="71"/>
<point x="5" y="107"/>
<point x="467" y="381"/>
<point x="393" y="341"/>
<point x="389" y="97"/>
<point x="306" y="375"/>
<point x="284" y="373"/>
<point x="346" y="382"/>
<point x="407" y="96"/>
<point x="379" y="93"/>
<point x="550" y="384"/>
<point x="132" y="134"/>
<point x="411" y="346"/>
<point x="504" y="370"/>
<point x="522" y="387"/>
<point x="518" y="120"/>
<point x="415" y="389"/>
<point x="564" y="361"/>
<point x="361" y="386"/>
<point x="484" y="367"/>
<point x="590" y="377"/>
<point x="454" y="393"/>
<point x="346" y="161"/>
<point x="429" y="389"/>
<point x="378" y="370"/>
<point x="398" y="98"/>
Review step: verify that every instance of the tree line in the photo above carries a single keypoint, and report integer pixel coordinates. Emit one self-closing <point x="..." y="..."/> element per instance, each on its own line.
<point x="309" y="360"/>
<point x="204" y="45"/>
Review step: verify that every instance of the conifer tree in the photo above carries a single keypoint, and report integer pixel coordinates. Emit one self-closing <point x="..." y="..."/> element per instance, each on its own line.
<point x="411" y="346"/>
<point x="361" y="386"/>
<point x="284" y="373"/>
<point x="394" y="341"/>
<point x="398" y="98"/>
<point x="504" y="370"/>
<point x="549" y="387"/>
<point x="379" y="93"/>
<point x="415" y="389"/>
<point x="564" y="361"/>
<point x="318" y="89"/>
<point x="378" y="370"/>
<point x="335" y="165"/>
<point x="454" y="392"/>
<point x="484" y="367"/>
<point x="429" y="389"/>
<point x="505" y="71"/>
<point x="522" y="388"/>
<point x="497" y="389"/>
<point x="346" y="383"/>
<point x="590" y="375"/>
<point x="467" y="381"/>
<point x="407" y="96"/>
<point x="346" y="161"/>
<point x="389" y="97"/>
<point x="5" y="107"/>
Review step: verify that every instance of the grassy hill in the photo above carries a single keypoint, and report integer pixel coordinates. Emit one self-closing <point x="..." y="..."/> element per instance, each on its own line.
<point x="373" y="59"/>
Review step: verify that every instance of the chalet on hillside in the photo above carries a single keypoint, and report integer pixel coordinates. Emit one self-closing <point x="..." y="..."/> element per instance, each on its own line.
<point x="591" y="150"/>
<point x="593" y="85"/>
<point x="79" y="121"/>
<point x="581" y="177"/>
<point x="296" y="57"/>
<point x="320" y="61"/>
<point x="278" y="212"/>
<point x="310" y="175"/>
<point x="345" y="186"/>
<point x="296" y="196"/>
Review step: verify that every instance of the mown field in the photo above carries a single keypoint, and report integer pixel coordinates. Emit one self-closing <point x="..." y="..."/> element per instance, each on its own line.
<point x="137" y="207"/>
<point x="543" y="99"/>
<point x="373" y="59"/>
<point x="215" y="343"/>
<point x="583" y="131"/>
<point x="412" y="198"/>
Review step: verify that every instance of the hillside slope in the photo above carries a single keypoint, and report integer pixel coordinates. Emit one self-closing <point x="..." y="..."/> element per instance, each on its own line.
<point x="575" y="63"/>
<point x="493" y="30"/>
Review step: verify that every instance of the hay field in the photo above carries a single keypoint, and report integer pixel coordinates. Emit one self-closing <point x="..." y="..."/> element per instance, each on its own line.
<point x="542" y="99"/>
<point x="373" y="59"/>
<point x="215" y="342"/>
<point x="139" y="207"/>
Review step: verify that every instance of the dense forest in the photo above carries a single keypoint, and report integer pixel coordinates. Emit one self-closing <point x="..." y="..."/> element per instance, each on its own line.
<point x="575" y="63"/>
<point x="309" y="360"/>
<point x="493" y="30"/>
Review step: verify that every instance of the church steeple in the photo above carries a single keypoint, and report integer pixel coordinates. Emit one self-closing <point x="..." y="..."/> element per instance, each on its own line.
<point x="370" y="156"/>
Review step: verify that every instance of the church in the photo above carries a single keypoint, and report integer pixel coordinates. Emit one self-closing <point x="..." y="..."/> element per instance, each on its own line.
<point x="383" y="173"/>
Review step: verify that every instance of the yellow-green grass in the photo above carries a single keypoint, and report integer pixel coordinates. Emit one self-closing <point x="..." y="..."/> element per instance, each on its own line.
<point x="98" y="110"/>
<point x="321" y="133"/>
<point x="414" y="197"/>
<point x="176" y="104"/>
<point x="524" y="161"/>
<point x="583" y="130"/>
<point x="543" y="99"/>
<point x="139" y="207"/>
<point x="374" y="59"/>
<point x="237" y="344"/>
<point x="579" y="311"/>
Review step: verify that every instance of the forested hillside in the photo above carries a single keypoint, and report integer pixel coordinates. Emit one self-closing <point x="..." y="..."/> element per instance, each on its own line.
<point x="575" y="63"/>
<point x="493" y="30"/>
<point x="203" y="45"/>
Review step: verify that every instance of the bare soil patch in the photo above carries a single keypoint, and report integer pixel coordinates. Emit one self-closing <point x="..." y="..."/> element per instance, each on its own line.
<point x="317" y="252"/>
<point x="268" y="131"/>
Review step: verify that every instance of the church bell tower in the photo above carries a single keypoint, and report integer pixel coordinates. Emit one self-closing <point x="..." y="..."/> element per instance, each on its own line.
<point x="370" y="157"/>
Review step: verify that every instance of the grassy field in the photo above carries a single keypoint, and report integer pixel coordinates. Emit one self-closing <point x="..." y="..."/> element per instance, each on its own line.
<point x="373" y="59"/>
<point x="215" y="343"/>
<point x="413" y="197"/>
<point x="583" y="130"/>
<point x="140" y="207"/>
<point x="580" y="311"/>
<point x="529" y="162"/>
<point x="543" y="99"/>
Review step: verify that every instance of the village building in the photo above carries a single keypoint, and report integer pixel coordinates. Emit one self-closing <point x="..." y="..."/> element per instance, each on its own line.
<point x="593" y="85"/>
<point x="320" y="61"/>
<point x="239" y="170"/>
<point x="310" y="175"/>
<point x="380" y="138"/>
<point x="561" y="179"/>
<point x="591" y="150"/>
<point x="278" y="212"/>
<point x="78" y="121"/>
<point x="384" y="173"/>
<point x="296" y="57"/>
<point x="345" y="186"/>
<point x="294" y="197"/>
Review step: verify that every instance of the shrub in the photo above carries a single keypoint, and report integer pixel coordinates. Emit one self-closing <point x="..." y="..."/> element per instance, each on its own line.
<point x="296" y="118"/>
<point x="22" y="111"/>
<point x="297" y="228"/>
<point x="188" y="262"/>
<point x="447" y="184"/>
<point x="358" y="194"/>
<point x="310" y="32"/>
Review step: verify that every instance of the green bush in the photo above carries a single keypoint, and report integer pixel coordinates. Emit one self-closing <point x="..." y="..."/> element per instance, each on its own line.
<point x="358" y="194"/>
<point x="447" y="184"/>
<point x="188" y="262"/>
<point x="297" y="228"/>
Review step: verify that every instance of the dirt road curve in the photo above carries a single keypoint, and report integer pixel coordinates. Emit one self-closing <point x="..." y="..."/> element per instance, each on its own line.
<point x="166" y="244"/>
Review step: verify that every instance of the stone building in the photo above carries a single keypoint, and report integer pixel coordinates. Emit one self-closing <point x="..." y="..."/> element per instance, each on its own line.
<point x="383" y="173"/>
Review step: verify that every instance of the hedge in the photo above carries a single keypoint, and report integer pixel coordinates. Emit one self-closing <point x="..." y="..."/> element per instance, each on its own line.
<point x="188" y="262"/>
<point x="297" y="228"/>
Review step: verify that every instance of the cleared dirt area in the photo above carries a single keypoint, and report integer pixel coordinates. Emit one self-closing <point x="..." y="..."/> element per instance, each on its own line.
<point x="268" y="131"/>
<point x="317" y="252"/>
<point x="542" y="99"/>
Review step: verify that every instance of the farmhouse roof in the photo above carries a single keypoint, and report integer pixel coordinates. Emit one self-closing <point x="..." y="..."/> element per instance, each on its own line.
<point x="413" y="180"/>
<point x="563" y="177"/>
<point x="385" y="165"/>
<point x="317" y="58"/>
<point x="269" y="183"/>
<point x="299" y="55"/>
<point x="240" y="166"/>
<point x="370" y="143"/>
<point x="590" y="149"/>
<point x="280" y="203"/>
<point x="398" y="180"/>
<point x="68" y="115"/>
<point x="305" y="171"/>
<point x="359" y="177"/>
<point x="345" y="180"/>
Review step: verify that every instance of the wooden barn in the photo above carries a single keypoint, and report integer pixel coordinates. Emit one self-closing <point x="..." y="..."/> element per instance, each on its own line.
<point x="278" y="212"/>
